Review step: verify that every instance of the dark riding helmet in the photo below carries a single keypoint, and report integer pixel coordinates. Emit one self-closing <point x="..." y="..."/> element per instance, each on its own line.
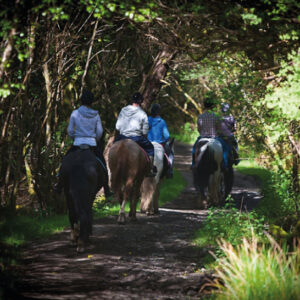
<point x="155" y="109"/>
<point x="137" y="98"/>
<point x="210" y="99"/>
<point x="87" y="97"/>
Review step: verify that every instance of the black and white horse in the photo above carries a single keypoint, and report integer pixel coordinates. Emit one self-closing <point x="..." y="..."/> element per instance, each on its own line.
<point x="207" y="171"/>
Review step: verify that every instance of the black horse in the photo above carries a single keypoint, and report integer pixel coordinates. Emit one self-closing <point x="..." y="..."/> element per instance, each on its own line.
<point x="82" y="175"/>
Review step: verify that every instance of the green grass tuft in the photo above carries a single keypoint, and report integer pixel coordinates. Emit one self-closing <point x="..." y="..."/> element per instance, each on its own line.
<point x="19" y="229"/>
<point x="171" y="188"/>
<point x="254" y="271"/>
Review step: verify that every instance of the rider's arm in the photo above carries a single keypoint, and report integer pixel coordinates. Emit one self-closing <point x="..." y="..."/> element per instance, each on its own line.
<point x="119" y="121"/>
<point x="166" y="134"/>
<point x="99" y="128"/>
<point x="145" y="125"/>
<point x="71" y="127"/>
<point x="199" y="124"/>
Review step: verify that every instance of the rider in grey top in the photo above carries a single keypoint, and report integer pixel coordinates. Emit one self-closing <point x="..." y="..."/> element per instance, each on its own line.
<point x="132" y="121"/>
<point x="85" y="126"/>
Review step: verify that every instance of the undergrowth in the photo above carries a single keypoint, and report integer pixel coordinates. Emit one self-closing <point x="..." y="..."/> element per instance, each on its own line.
<point x="255" y="270"/>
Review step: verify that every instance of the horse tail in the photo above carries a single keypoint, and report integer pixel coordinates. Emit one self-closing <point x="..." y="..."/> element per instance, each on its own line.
<point x="117" y="175"/>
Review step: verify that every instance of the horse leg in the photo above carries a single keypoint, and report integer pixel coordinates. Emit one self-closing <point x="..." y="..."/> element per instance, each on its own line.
<point x="122" y="218"/>
<point x="147" y="195"/>
<point x="211" y="191"/>
<point x="84" y="231"/>
<point x="73" y="220"/>
<point x="144" y="195"/>
<point x="155" y="198"/>
<point x="133" y="202"/>
<point x="213" y="188"/>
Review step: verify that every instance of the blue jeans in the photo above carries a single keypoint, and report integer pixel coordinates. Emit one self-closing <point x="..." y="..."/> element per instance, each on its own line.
<point x="226" y="150"/>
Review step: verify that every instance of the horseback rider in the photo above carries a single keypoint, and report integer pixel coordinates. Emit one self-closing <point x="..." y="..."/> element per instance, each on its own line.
<point x="228" y="127"/>
<point x="159" y="133"/>
<point x="208" y="123"/>
<point x="133" y="124"/>
<point x="85" y="129"/>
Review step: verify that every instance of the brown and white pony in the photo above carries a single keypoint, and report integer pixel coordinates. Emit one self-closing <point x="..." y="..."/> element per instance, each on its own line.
<point x="128" y="164"/>
<point x="150" y="189"/>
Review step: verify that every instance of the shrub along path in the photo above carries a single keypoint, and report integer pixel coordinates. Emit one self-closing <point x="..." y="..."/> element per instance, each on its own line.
<point x="150" y="259"/>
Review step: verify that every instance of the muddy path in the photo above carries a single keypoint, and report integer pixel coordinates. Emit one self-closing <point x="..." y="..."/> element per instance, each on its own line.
<point x="150" y="259"/>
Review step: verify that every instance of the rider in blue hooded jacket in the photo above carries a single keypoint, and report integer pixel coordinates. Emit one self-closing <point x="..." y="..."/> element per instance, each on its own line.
<point x="159" y="133"/>
<point x="158" y="130"/>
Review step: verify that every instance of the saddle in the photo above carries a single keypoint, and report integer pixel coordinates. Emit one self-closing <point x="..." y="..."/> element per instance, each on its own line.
<point x="200" y="148"/>
<point x="83" y="147"/>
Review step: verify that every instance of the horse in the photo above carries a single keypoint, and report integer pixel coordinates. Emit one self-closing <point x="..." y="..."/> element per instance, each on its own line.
<point x="207" y="170"/>
<point x="150" y="189"/>
<point x="82" y="175"/>
<point x="128" y="164"/>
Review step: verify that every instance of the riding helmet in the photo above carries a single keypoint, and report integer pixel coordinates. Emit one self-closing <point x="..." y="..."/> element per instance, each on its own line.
<point x="137" y="98"/>
<point x="225" y="107"/>
<point x="155" y="109"/>
<point x="87" y="97"/>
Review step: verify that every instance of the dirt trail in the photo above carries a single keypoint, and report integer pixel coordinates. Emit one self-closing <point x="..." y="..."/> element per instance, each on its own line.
<point x="150" y="259"/>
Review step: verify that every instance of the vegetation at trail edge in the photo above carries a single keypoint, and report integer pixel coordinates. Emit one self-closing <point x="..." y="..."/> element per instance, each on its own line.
<point x="173" y="52"/>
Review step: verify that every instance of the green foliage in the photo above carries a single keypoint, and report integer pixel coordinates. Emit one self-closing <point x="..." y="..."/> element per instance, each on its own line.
<point x="250" y="18"/>
<point x="230" y="224"/>
<point x="283" y="100"/>
<point x="171" y="188"/>
<point x="278" y="200"/>
<point x="255" y="271"/>
<point x="187" y="134"/>
<point x="22" y="228"/>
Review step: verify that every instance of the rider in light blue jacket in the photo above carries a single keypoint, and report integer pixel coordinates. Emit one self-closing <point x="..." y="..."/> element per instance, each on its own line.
<point x="158" y="130"/>
<point x="159" y="133"/>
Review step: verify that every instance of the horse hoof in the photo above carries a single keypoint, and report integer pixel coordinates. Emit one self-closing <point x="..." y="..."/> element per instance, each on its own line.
<point x="80" y="249"/>
<point x="73" y="243"/>
<point x="133" y="220"/>
<point x="121" y="219"/>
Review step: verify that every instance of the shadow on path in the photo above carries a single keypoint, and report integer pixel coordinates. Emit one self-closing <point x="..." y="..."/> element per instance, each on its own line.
<point x="152" y="258"/>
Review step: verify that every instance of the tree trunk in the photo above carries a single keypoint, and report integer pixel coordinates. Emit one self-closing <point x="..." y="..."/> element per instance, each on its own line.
<point x="7" y="51"/>
<point x="151" y="84"/>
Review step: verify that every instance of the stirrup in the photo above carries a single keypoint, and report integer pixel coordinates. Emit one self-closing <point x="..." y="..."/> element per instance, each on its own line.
<point x="152" y="172"/>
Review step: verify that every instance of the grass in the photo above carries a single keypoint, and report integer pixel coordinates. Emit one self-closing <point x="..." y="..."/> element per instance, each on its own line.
<point x="17" y="230"/>
<point x="256" y="271"/>
<point x="171" y="188"/>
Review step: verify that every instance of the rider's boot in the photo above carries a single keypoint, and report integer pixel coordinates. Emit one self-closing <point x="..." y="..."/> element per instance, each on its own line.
<point x="236" y="159"/>
<point x="107" y="192"/>
<point x="152" y="170"/>
<point x="57" y="188"/>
